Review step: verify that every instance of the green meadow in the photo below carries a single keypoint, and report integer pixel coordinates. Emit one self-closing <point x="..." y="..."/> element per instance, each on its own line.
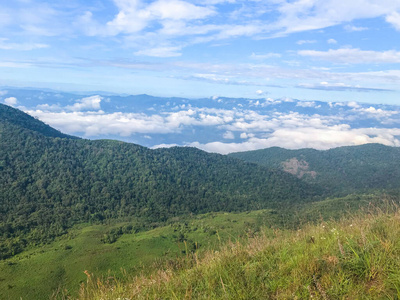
<point x="356" y="257"/>
<point x="59" y="268"/>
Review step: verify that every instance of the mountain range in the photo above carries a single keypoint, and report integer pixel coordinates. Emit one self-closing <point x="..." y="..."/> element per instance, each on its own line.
<point x="215" y="124"/>
<point x="57" y="187"/>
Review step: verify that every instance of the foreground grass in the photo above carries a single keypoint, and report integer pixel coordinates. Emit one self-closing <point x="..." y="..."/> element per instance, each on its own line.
<point x="355" y="258"/>
<point x="58" y="268"/>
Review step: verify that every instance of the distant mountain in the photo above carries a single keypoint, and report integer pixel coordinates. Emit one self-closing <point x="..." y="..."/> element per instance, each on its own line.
<point x="48" y="184"/>
<point x="214" y="124"/>
<point x="340" y="170"/>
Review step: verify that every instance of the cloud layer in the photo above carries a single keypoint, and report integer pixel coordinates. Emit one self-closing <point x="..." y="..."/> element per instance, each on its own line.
<point x="217" y="124"/>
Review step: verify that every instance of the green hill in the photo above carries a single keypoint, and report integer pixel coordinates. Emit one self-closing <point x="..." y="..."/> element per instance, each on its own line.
<point x="49" y="184"/>
<point x="16" y="117"/>
<point x="340" y="171"/>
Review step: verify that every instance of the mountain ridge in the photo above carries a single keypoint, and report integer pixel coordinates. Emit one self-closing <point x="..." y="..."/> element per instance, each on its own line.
<point x="49" y="184"/>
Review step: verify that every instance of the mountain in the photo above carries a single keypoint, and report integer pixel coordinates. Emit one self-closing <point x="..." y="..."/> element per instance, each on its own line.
<point x="50" y="181"/>
<point x="20" y="119"/>
<point x="340" y="170"/>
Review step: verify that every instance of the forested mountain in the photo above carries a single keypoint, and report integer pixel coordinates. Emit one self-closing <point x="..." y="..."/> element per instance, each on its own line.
<point x="49" y="182"/>
<point x="341" y="170"/>
<point x="20" y="119"/>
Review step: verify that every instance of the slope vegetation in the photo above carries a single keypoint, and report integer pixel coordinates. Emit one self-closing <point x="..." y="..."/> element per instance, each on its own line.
<point x="48" y="184"/>
<point x="356" y="258"/>
<point x="340" y="171"/>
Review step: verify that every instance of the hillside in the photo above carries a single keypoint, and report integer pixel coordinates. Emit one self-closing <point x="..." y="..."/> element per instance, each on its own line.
<point x="355" y="258"/>
<point x="16" y="117"/>
<point x="49" y="184"/>
<point x="340" y="170"/>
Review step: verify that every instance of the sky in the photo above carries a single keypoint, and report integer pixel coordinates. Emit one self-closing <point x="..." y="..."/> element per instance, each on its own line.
<point x="328" y="50"/>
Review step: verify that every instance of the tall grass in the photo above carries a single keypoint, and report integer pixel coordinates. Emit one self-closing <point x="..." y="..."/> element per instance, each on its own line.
<point x="354" y="258"/>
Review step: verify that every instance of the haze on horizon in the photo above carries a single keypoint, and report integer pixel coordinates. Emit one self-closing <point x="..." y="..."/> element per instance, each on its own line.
<point x="331" y="50"/>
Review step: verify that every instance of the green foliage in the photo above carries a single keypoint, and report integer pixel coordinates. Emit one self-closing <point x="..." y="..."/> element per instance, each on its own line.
<point x="32" y="273"/>
<point x="49" y="184"/>
<point x="341" y="171"/>
<point x="356" y="258"/>
<point x="16" y="117"/>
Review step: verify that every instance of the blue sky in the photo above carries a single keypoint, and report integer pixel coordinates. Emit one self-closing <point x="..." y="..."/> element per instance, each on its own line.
<point x="329" y="50"/>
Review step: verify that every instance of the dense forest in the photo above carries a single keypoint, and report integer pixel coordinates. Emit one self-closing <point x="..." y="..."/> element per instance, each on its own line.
<point x="50" y="181"/>
<point x="340" y="171"/>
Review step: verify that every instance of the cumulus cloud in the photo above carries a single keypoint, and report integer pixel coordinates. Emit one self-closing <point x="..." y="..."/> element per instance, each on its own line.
<point x="307" y="137"/>
<point x="135" y="15"/>
<point x="394" y="19"/>
<point x="258" y="123"/>
<point x="229" y="135"/>
<point x="88" y="103"/>
<point x="11" y="101"/>
<point x="83" y="120"/>
<point x="306" y="103"/>
<point x="374" y="112"/>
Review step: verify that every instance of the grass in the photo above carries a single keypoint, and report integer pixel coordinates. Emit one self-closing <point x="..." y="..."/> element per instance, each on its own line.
<point x="354" y="258"/>
<point x="220" y="248"/>
<point x="58" y="268"/>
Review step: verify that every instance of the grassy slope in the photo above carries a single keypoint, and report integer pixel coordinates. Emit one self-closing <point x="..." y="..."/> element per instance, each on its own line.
<point x="355" y="258"/>
<point x="38" y="272"/>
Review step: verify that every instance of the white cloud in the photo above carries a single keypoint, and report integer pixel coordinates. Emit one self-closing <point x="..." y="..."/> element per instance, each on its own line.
<point x="178" y="10"/>
<point x="135" y="15"/>
<point x="165" y="146"/>
<point x="354" y="56"/>
<point x="92" y="124"/>
<point x="5" y="45"/>
<point x="259" y="92"/>
<point x="394" y="19"/>
<point x="352" y="28"/>
<point x="308" y="137"/>
<point x="229" y="135"/>
<point x="305" y="15"/>
<point x="340" y="86"/>
<point x="302" y="42"/>
<point x="11" y="101"/>
<point x="3" y="92"/>
<point x="331" y="41"/>
<point x="88" y="103"/>
<point x="353" y="104"/>
<point x="161" y="52"/>
<point x="306" y="104"/>
<point x="265" y="55"/>
<point x="379" y="113"/>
